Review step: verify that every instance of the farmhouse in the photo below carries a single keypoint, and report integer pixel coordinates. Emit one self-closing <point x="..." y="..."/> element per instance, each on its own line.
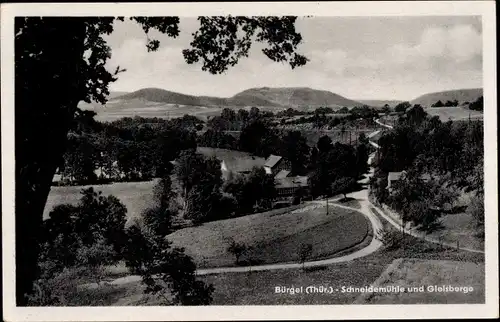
<point x="233" y="162"/>
<point x="392" y="178"/>
<point x="275" y="164"/>
<point x="289" y="186"/>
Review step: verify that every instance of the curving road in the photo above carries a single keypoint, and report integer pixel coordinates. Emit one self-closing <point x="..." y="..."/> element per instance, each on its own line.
<point x="361" y="196"/>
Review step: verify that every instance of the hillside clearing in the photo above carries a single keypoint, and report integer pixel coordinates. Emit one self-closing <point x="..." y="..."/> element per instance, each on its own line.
<point x="454" y="113"/>
<point x="274" y="237"/>
<point x="136" y="196"/>
<point x="425" y="276"/>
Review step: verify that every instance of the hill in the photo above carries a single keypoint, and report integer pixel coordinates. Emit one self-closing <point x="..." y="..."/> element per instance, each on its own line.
<point x="461" y="95"/>
<point x="297" y="97"/>
<point x="379" y="103"/>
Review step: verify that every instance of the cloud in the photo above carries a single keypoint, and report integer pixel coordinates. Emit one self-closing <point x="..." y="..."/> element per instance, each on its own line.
<point x="407" y="65"/>
<point x="459" y="44"/>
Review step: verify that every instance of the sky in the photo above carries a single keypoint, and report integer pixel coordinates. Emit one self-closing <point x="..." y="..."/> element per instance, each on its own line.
<point x="357" y="57"/>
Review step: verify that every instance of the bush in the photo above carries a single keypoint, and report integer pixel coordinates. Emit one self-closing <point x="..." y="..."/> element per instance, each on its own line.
<point x="391" y="239"/>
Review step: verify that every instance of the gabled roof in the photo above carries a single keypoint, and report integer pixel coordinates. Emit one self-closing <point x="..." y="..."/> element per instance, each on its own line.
<point x="272" y="160"/>
<point x="242" y="164"/>
<point x="282" y="174"/>
<point x="394" y="176"/>
<point x="236" y="161"/>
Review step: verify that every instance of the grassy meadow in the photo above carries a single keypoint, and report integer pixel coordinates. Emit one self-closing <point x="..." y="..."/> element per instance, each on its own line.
<point x="275" y="237"/>
<point x="136" y="196"/>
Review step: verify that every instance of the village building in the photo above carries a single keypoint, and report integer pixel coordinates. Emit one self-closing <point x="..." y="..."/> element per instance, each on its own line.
<point x="233" y="162"/>
<point x="392" y="178"/>
<point x="290" y="186"/>
<point x="275" y="164"/>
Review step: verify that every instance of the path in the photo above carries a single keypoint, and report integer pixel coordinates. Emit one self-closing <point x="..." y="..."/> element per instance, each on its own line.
<point x="382" y="124"/>
<point x="395" y="221"/>
<point x="362" y="197"/>
<point x="375" y="244"/>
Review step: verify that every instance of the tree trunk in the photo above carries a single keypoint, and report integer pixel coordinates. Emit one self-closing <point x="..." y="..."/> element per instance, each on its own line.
<point x="47" y="94"/>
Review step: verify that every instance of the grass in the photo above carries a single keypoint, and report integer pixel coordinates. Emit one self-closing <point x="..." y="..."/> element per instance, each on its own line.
<point x="453" y="113"/>
<point x="118" y="109"/>
<point x="274" y="237"/>
<point x="258" y="288"/>
<point x="420" y="274"/>
<point x="136" y="196"/>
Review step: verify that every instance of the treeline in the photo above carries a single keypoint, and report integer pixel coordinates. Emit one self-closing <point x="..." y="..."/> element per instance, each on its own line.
<point x="477" y="105"/>
<point x="125" y="150"/>
<point x="439" y="159"/>
<point x="79" y="242"/>
<point x="336" y="168"/>
<point x="320" y="118"/>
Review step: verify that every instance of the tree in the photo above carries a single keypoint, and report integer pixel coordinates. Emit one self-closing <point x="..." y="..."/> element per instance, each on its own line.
<point x="386" y="109"/>
<point x="324" y="144"/>
<point x="295" y="149"/>
<point x="158" y="218"/>
<point x="237" y="249"/>
<point x="476" y="210"/>
<point x="362" y="158"/>
<point x="477" y="105"/>
<point x="100" y="217"/>
<point x="73" y="48"/>
<point x="438" y="104"/>
<point x="343" y="185"/>
<point x="94" y="257"/>
<point x="305" y="251"/>
<point x="402" y="107"/>
<point x="166" y="271"/>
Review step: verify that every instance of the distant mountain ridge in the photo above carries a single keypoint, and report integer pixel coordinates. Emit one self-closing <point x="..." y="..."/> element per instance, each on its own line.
<point x="380" y="103"/>
<point x="284" y="97"/>
<point x="302" y="98"/>
<point x="461" y="95"/>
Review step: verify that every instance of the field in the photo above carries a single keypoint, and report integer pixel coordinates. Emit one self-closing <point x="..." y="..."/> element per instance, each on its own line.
<point x="424" y="273"/>
<point x="130" y="108"/>
<point x="274" y="237"/>
<point x="459" y="227"/>
<point x="348" y="137"/>
<point x="258" y="287"/>
<point x="117" y="109"/>
<point x="453" y="113"/>
<point x="136" y="196"/>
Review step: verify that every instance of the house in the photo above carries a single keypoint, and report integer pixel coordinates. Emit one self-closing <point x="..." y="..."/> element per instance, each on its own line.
<point x="282" y="174"/>
<point x="288" y="186"/>
<point x="392" y="178"/>
<point x="233" y="162"/>
<point x="275" y="164"/>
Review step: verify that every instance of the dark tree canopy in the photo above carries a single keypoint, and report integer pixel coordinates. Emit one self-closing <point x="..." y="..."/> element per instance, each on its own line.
<point x="60" y="61"/>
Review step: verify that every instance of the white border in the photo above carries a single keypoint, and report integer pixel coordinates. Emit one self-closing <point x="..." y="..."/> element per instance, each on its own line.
<point x="486" y="9"/>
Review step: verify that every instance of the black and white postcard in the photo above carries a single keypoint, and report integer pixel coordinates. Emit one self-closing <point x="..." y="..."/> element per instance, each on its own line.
<point x="232" y="161"/>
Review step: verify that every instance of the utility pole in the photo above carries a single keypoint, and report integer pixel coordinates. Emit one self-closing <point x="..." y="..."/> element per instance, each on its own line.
<point x="327" y="206"/>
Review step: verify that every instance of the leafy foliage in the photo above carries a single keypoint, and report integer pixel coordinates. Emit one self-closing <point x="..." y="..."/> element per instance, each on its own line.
<point x="222" y="41"/>
<point x="62" y="60"/>
<point x="343" y="185"/>
<point x="305" y="251"/>
<point x="237" y="249"/>
<point x="477" y="105"/>
<point x="402" y="107"/>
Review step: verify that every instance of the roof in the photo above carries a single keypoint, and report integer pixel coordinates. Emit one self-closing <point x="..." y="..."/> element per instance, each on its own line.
<point x="394" y="176"/>
<point x="236" y="161"/>
<point x="290" y="182"/>
<point x="282" y="174"/>
<point x="272" y="161"/>
<point x="243" y="164"/>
